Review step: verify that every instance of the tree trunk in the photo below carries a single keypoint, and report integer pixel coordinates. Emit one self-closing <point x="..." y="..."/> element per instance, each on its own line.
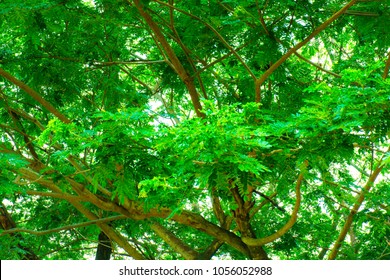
<point x="104" y="248"/>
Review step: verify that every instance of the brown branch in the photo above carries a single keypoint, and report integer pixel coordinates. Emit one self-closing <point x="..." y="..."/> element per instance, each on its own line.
<point x="354" y="210"/>
<point x="7" y="223"/>
<point x="127" y="71"/>
<point x="260" y="11"/>
<point x="362" y="13"/>
<point x="177" y="65"/>
<point x="108" y="230"/>
<point x="135" y="211"/>
<point x="211" y="250"/>
<point x="185" y="49"/>
<point x="261" y="205"/>
<point x="230" y="48"/>
<point x="206" y="66"/>
<point x="274" y="66"/>
<point x="26" y="138"/>
<point x="217" y="208"/>
<point x="78" y="225"/>
<point x="98" y="201"/>
<point x="83" y="173"/>
<point x="27" y="117"/>
<point x="288" y="225"/>
<point x="35" y="95"/>
<point x="175" y="243"/>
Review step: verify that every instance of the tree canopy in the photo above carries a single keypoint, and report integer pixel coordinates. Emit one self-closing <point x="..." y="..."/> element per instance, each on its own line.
<point x="163" y="129"/>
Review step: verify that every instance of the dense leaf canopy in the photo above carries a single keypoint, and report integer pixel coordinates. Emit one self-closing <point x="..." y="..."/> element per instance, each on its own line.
<point x="162" y="129"/>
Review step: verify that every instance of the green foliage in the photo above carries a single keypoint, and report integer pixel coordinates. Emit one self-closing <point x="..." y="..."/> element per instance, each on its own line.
<point x="164" y="127"/>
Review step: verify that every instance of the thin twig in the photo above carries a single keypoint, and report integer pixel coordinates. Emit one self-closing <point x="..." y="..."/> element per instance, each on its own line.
<point x="44" y="232"/>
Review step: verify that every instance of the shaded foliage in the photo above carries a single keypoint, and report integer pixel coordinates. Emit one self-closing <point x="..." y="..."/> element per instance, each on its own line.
<point x="195" y="129"/>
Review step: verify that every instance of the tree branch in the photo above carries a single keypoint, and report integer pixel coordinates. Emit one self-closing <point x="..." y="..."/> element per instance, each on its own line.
<point x="230" y="48"/>
<point x="108" y="230"/>
<point x="67" y="197"/>
<point x="270" y="200"/>
<point x="35" y="95"/>
<point x="288" y="225"/>
<point x="135" y="211"/>
<point x="175" y="243"/>
<point x="78" y="225"/>
<point x="274" y="66"/>
<point x="354" y="210"/>
<point x="178" y="66"/>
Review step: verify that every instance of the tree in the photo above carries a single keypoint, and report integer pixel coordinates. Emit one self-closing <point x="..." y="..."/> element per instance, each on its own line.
<point x="195" y="129"/>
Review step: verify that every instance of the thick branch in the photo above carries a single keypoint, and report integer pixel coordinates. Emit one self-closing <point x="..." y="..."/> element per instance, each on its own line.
<point x="211" y="250"/>
<point x="230" y="48"/>
<point x="217" y="208"/>
<point x="176" y="244"/>
<point x="109" y="231"/>
<point x="178" y="67"/>
<point x="135" y="211"/>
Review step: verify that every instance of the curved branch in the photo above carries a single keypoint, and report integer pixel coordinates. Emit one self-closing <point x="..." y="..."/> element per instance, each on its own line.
<point x="108" y="230"/>
<point x="134" y="210"/>
<point x="288" y="225"/>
